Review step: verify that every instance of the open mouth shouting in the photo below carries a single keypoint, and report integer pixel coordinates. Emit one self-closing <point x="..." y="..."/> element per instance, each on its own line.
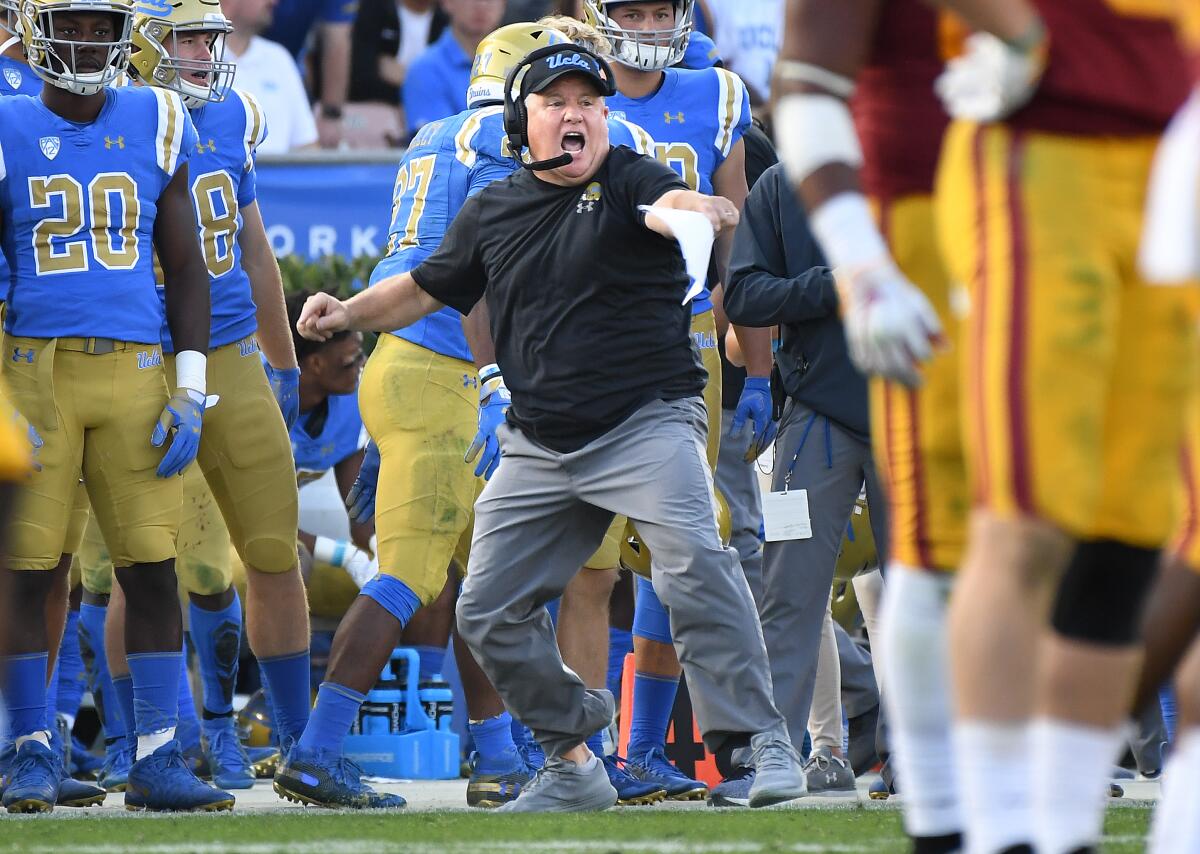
<point x="573" y="142"/>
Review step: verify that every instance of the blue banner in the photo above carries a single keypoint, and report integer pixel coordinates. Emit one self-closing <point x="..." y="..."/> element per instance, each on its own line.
<point x="326" y="208"/>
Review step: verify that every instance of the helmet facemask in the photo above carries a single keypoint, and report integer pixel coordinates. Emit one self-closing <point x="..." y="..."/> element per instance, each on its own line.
<point x="8" y="20"/>
<point x="645" y="50"/>
<point x="57" y="60"/>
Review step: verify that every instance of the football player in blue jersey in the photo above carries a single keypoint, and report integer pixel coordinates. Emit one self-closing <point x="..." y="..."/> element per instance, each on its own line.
<point x="244" y="456"/>
<point x="697" y="118"/>
<point x="93" y="179"/>
<point x="15" y="76"/>
<point x="423" y="390"/>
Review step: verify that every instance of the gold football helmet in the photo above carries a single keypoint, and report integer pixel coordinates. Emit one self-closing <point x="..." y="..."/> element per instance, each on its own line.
<point x="498" y="53"/>
<point x="635" y="555"/>
<point x="162" y="30"/>
<point x="58" y="60"/>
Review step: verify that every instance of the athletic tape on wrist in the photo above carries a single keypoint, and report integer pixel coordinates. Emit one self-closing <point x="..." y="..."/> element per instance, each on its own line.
<point x="814" y="131"/>
<point x="847" y="232"/>
<point x="191" y="370"/>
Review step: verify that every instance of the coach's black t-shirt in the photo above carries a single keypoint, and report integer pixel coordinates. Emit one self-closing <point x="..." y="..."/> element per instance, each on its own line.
<point x="585" y="301"/>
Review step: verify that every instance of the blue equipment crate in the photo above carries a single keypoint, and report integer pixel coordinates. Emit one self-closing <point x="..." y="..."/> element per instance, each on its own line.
<point x="419" y="750"/>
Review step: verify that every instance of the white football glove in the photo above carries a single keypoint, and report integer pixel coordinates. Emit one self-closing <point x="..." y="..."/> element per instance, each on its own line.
<point x="1170" y="250"/>
<point x="991" y="79"/>
<point x="891" y="326"/>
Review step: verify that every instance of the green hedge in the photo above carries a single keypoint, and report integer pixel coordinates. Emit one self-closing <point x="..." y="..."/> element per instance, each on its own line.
<point x="332" y="274"/>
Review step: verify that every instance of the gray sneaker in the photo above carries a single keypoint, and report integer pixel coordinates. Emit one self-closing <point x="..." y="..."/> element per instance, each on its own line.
<point x="829" y="776"/>
<point x="778" y="776"/>
<point x="562" y="786"/>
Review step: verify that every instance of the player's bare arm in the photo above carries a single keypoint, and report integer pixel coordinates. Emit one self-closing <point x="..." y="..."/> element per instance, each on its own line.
<point x="266" y="286"/>
<point x="394" y="303"/>
<point x="890" y="324"/>
<point x="730" y="181"/>
<point x="184" y="272"/>
<point x="825" y="45"/>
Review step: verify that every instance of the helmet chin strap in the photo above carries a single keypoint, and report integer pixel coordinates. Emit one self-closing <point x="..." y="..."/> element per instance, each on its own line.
<point x="12" y="41"/>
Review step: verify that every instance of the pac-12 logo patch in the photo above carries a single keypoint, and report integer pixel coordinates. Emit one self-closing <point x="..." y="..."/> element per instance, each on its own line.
<point x="13" y="77"/>
<point x="50" y="146"/>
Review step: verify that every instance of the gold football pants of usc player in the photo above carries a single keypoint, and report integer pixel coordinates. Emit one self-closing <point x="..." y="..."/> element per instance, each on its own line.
<point x="1077" y="372"/>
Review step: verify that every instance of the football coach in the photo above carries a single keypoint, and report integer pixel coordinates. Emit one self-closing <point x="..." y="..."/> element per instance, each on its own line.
<point x="585" y="296"/>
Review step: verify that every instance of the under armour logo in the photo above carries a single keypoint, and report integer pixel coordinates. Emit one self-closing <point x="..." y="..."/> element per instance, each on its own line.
<point x="668" y="118"/>
<point x="26" y="357"/>
<point x="470" y="381"/>
<point x="210" y="146"/>
<point x="109" y="142"/>
<point x="830" y="778"/>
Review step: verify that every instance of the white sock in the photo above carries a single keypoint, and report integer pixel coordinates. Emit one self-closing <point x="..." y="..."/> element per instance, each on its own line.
<point x="994" y="774"/>
<point x="1176" y="828"/>
<point x="68" y="719"/>
<point x="41" y="735"/>
<point x="1072" y="766"/>
<point x="916" y="670"/>
<point x="147" y="744"/>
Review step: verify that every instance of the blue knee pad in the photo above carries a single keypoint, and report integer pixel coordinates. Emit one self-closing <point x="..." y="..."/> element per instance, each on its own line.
<point x="650" y="618"/>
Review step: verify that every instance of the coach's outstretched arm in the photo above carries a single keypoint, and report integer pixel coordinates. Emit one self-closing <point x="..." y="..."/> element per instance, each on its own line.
<point x="722" y="214"/>
<point x="396" y="302"/>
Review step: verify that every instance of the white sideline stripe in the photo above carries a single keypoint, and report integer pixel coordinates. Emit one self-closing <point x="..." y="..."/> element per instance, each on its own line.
<point x="346" y="846"/>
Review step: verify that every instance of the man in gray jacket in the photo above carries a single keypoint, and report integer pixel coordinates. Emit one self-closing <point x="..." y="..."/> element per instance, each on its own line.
<point x="777" y="276"/>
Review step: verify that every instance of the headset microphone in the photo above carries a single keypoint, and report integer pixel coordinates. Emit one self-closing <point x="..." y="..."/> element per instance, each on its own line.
<point x="551" y="61"/>
<point x="563" y="159"/>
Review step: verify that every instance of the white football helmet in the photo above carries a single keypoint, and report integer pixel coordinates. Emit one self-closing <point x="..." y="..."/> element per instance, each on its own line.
<point x="646" y="50"/>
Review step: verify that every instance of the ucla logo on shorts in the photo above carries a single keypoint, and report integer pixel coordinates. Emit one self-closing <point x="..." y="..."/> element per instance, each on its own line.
<point x="25" y="356"/>
<point x="705" y="340"/>
<point x="149" y="359"/>
<point x="248" y="347"/>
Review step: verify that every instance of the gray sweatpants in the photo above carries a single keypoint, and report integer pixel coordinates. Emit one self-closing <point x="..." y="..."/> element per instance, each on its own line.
<point x="539" y="518"/>
<point x="798" y="574"/>
<point x="738" y="482"/>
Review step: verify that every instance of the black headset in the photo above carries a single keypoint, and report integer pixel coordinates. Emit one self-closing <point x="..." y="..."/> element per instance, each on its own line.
<point x="516" y="117"/>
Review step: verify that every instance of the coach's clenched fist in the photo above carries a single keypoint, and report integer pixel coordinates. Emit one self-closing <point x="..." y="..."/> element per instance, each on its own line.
<point x="323" y="315"/>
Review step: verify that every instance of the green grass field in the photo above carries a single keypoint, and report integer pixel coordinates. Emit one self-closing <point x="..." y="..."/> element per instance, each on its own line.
<point x="661" y="832"/>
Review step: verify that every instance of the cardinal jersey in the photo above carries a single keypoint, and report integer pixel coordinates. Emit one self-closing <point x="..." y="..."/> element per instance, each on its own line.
<point x="221" y="172"/>
<point x="78" y="204"/>
<point x="325" y="436"/>
<point x="1115" y="68"/>
<point x="695" y="117"/>
<point x="898" y="117"/>
<point x="447" y="162"/>
<point x="15" y="79"/>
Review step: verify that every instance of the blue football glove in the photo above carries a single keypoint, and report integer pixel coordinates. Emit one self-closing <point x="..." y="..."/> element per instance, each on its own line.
<point x="494" y="401"/>
<point x="181" y="419"/>
<point x="285" y="385"/>
<point x="755" y="405"/>
<point x="361" y="499"/>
